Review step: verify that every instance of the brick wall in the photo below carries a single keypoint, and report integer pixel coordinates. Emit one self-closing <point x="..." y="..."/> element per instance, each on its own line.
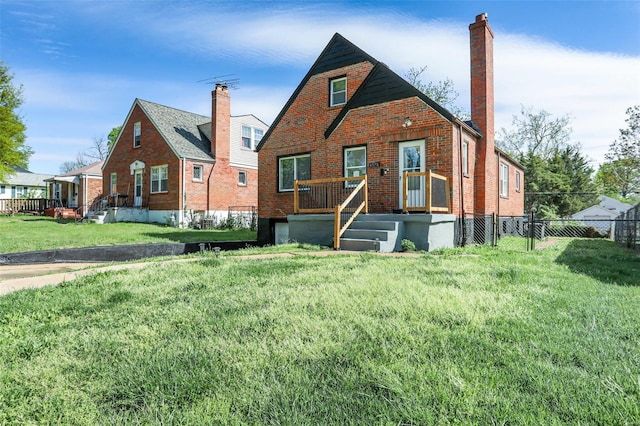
<point x="153" y="151"/>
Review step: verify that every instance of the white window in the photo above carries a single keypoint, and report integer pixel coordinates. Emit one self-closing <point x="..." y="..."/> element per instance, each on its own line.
<point x="159" y="179"/>
<point x="504" y="180"/>
<point x="465" y="158"/>
<point x="338" y="91"/>
<point x="136" y="134"/>
<point x="197" y="173"/>
<point x="355" y="163"/>
<point x="114" y="183"/>
<point x="251" y="137"/>
<point x="291" y="169"/>
<point x="242" y="178"/>
<point x="3" y="189"/>
<point x="246" y="137"/>
<point x="517" y="181"/>
<point x="257" y="136"/>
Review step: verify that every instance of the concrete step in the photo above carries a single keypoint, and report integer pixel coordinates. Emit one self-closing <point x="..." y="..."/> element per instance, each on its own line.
<point x="386" y="225"/>
<point x="367" y="234"/>
<point x="356" y="244"/>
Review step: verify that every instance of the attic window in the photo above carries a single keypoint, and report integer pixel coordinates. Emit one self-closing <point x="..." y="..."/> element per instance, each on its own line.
<point x="338" y="94"/>
<point x="136" y="134"/>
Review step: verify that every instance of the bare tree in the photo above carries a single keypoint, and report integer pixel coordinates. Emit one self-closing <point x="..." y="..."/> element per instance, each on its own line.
<point x="535" y="134"/>
<point x="443" y="92"/>
<point x="98" y="151"/>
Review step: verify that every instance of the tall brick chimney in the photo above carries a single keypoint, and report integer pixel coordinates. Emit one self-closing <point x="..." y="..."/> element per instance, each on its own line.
<point x="220" y="122"/>
<point x="482" y="113"/>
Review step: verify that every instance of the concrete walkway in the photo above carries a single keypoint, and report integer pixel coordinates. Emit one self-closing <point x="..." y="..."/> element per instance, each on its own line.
<point x="19" y="277"/>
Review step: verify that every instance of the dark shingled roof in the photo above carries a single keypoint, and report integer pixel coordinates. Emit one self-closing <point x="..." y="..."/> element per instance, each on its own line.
<point x="180" y="130"/>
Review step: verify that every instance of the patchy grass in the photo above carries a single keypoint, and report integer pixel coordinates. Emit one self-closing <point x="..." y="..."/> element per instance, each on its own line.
<point x="494" y="338"/>
<point x="28" y="233"/>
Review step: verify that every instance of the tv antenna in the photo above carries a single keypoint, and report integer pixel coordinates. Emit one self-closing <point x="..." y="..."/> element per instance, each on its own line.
<point x="222" y="80"/>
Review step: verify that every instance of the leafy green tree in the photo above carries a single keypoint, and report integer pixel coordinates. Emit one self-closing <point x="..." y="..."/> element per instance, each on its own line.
<point x="113" y="135"/>
<point x="443" y="92"/>
<point x="620" y="174"/>
<point x="13" y="151"/>
<point x="558" y="178"/>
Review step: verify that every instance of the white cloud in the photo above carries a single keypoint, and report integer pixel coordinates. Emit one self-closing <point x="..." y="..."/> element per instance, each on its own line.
<point x="593" y="88"/>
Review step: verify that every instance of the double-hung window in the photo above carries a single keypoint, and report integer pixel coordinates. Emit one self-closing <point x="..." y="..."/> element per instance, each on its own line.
<point x="355" y="163"/>
<point x="517" y="184"/>
<point x="293" y="168"/>
<point x="159" y="179"/>
<point x="242" y="178"/>
<point x="504" y="180"/>
<point x="465" y="158"/>
<point x="114" y="183"/>
<point x="136" y="134"/>
<point x="338" y="95"/>
<point x="251" y="137"/>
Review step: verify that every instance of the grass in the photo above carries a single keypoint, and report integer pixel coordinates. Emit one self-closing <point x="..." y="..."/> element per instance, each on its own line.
<point x="28" y="233"/>
<point x="495" y="337"/>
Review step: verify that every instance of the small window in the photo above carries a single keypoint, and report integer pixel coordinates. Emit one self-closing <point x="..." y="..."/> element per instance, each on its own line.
<point x="114" y="183"/>
<point x="355" y="163"/>
<point x="465" y="158"/>
<point x="257" y="136"/>
<point x="136" y="134"/>
<point x="504" y="180"/>
<point x="291" y="169"/>
<point x="242" y="178"/>
<point x="197" y="173"/>
<point x="3" y="189"/>
<point x="159" y="179"/>
<point x="246" y="137"/>
<point x="338" y="91"/>
<point x="517" y="181"/>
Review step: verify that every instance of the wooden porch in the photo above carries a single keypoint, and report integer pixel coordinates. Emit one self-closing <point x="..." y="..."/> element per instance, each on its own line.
<point x="345" y="198"/>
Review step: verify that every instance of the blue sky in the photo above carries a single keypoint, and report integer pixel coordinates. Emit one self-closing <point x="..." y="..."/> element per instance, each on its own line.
<point x="82" y="63"/>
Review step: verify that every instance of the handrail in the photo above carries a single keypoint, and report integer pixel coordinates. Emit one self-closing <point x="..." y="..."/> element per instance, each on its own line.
<point x="428" y="204"/>
<point x="339" y="230"/>
<point x="322" y="194"/>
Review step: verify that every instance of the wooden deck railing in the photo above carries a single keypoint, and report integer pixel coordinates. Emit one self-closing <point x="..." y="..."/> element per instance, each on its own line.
<point x="425" y="192"/>
<point x="344" y="197"/>
<point x="19" y="205"/>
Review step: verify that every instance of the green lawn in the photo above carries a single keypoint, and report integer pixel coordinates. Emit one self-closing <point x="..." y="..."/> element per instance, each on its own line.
<point x="477" y="336"/>
<point x="28" y="233"/>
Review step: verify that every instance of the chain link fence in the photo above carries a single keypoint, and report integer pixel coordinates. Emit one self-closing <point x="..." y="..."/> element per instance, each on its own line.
<point x="523" y="233"/>
<point x="627" y="228"/>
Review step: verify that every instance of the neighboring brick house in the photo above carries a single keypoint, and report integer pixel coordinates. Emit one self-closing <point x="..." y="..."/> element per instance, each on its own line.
<point x="352" y="115"/>
<point x="167" y="164"/>
<point x="77" y="189"/>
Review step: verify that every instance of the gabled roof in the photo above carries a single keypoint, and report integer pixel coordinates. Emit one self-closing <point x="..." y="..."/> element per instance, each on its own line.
<point x="613" y="204"/>
<point x="338" y="53"/>
<point x="91" y="169"/>
<point x="383" y="85"/>
<point x="595" y="210"/>
<point x="179" y="129"/>
<point x="25" y="178"/>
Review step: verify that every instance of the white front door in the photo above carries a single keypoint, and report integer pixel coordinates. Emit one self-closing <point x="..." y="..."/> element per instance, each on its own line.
<point x="411" y="159"/>
<point x="137" y="190"/>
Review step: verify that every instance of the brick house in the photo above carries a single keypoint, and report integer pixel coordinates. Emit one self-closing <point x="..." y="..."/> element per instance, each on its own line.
<point x="76" y="190"/>
<point x="352" y="116"/>
<point x="171" y="166"/>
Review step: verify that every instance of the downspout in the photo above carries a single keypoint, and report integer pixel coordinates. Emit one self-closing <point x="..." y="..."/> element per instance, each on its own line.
<point x="182" y="204"/>
<point x="462" y="218"/>
<point x="85" y="193"/>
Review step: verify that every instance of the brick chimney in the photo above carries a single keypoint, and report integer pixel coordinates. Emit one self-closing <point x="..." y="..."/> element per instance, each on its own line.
<point x="220" y="122"/>
<point x="482" y="113"/>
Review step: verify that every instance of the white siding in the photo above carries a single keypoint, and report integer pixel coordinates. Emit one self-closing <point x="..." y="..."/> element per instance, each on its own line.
<point x="240" y="156"/>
